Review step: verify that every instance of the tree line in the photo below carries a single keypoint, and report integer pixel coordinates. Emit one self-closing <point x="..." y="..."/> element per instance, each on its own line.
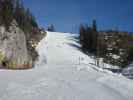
<point x="14" y="9"/>
<point x="114" y="46"/>
<point x="88" y="37"/>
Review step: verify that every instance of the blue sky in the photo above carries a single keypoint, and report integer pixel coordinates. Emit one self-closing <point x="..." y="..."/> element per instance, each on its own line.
<point x="67" y="15"/>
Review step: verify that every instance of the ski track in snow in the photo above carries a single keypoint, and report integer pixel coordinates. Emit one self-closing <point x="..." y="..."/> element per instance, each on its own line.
<point x="63" y="73"/>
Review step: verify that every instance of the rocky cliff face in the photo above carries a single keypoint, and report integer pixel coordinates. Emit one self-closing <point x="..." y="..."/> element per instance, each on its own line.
<point x="13" y="48"/>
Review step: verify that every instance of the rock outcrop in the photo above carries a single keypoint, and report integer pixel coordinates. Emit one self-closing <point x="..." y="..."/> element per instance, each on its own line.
<point x="13" y="48"/>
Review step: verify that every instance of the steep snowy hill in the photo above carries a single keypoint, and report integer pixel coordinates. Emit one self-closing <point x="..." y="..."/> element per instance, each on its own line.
<point x="63" y="73"/>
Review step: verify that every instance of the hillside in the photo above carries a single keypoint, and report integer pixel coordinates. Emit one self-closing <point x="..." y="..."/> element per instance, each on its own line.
<point x="63" y="72"/>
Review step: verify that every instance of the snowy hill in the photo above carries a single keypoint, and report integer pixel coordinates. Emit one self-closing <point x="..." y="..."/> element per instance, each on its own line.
<point x="63" y="72"/>
<point x="60" y="49"/>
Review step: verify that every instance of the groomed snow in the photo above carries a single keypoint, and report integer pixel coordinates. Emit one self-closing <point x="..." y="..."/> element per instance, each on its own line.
<point x="63" y="72"/>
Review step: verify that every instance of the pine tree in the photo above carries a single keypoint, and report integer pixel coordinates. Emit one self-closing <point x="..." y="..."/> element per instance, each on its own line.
<point x="33" y="21"/>
<point x="19" y="14"/>
<point x="88" y="39"/>
<point x="94" y="26"/>
<point x="81" y="33"/>
<point x="94" y="36"/>
<point x="1" y="6"/>
<point x="7" y="12"/>
<point x="51" y="28"/>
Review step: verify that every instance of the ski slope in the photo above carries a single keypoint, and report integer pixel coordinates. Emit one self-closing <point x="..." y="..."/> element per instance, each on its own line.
<point x="63" y="72"/>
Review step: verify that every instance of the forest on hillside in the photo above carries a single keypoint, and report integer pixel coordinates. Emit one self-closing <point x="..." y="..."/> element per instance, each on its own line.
<point x="114" y="46"/>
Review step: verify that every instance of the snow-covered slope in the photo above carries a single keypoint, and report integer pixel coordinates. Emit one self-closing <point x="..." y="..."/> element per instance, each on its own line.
<point x="61" y="49"/>
<point x="63" y="72"/>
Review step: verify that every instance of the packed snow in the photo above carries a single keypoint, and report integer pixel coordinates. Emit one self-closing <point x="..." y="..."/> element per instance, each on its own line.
<point x="63" y="72"/>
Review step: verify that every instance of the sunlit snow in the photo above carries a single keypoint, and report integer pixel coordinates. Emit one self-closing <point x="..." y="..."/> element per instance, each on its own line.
<point x="63" y="72"/>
